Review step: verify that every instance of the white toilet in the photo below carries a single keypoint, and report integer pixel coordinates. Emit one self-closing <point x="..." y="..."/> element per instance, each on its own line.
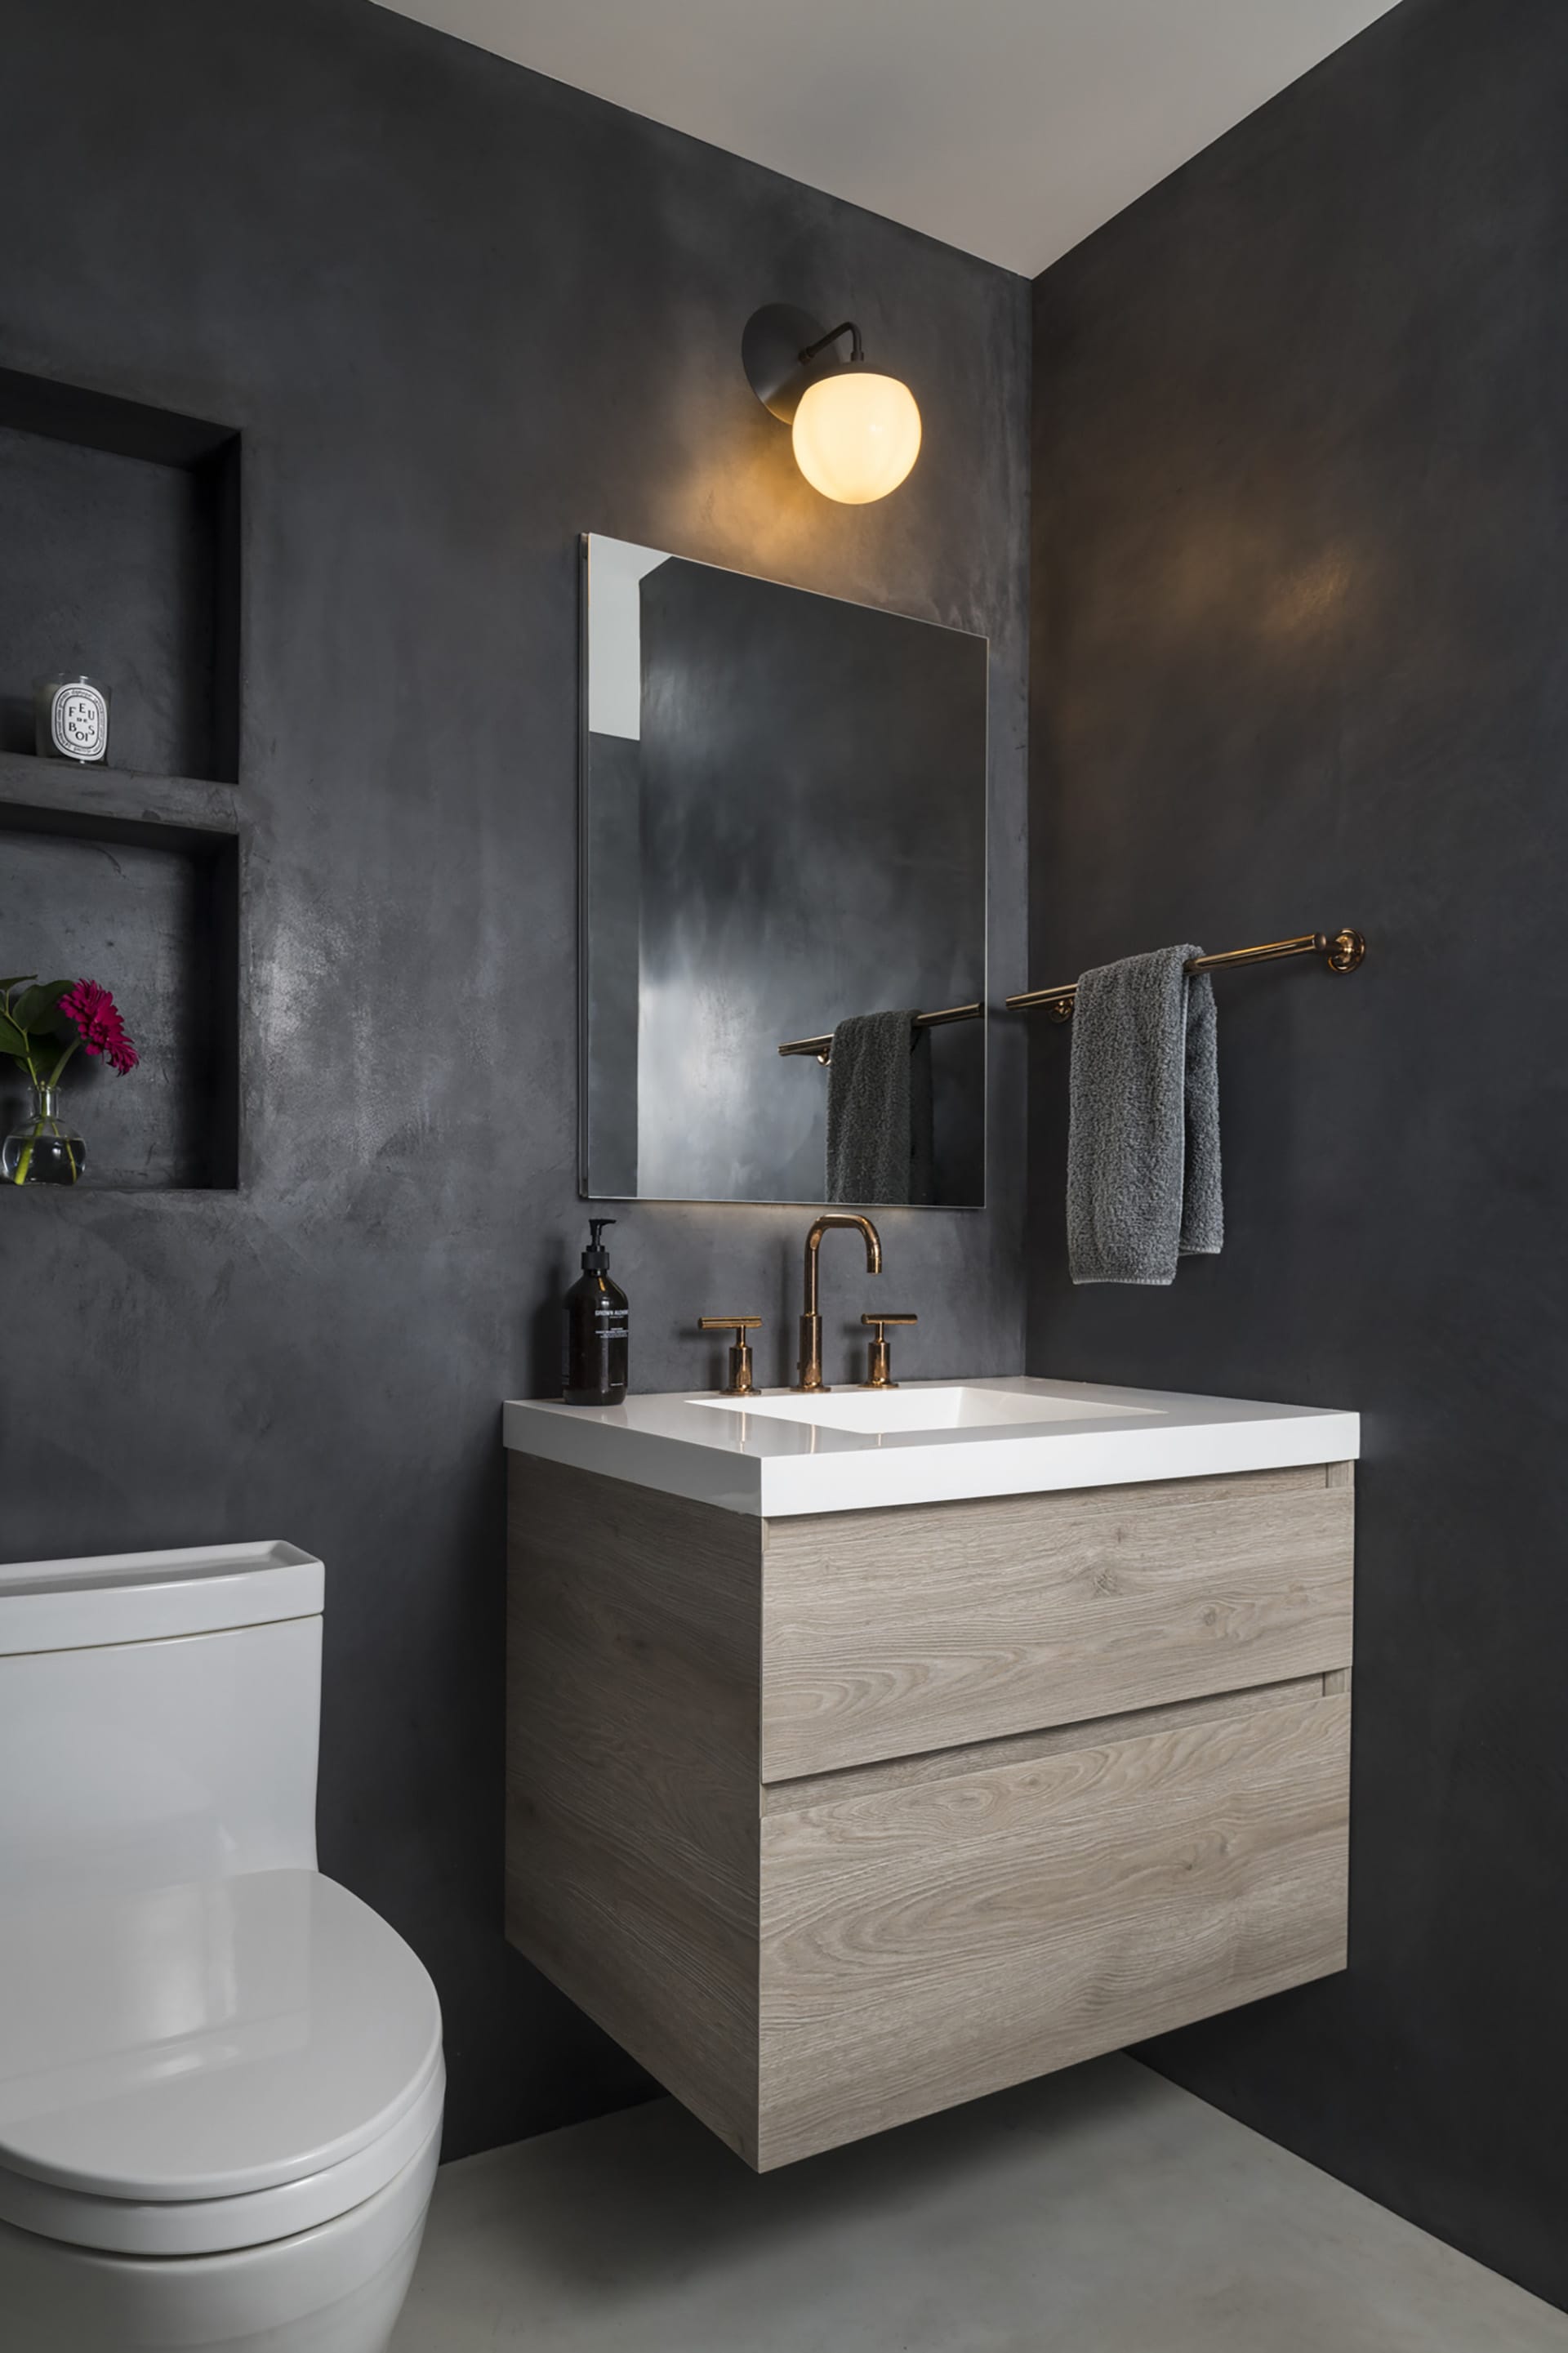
<point x="220" y="2073"/>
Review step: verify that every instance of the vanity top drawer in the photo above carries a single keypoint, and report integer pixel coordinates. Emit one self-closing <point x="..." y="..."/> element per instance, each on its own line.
<point x="889" y="1634"/>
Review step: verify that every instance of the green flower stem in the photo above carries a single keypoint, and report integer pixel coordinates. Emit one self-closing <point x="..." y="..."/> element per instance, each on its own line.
<point x="44" y="1085"/>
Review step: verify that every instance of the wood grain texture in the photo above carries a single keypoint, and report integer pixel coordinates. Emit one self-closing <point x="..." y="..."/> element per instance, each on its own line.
<point x="805" y="1961"/>
<point x="632" y="1814"/>
<point x="924" y="1944"/>
<point x="890" y="1633"/>
<point x="1023" y="1748"/>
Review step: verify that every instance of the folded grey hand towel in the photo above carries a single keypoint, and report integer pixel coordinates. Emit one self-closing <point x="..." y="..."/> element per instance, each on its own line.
<point x="1144" y="1176"/>
<point x="880" y="1110"/>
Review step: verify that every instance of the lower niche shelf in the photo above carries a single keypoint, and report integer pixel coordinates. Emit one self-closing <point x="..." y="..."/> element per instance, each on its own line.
<point x="132" y="882"/>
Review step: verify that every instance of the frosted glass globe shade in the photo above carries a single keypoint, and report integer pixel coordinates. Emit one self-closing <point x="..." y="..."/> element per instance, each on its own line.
<point x="857" y="435"/>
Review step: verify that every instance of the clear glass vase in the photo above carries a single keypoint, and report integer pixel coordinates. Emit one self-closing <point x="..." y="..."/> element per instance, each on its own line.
<point x="43" y="1150"/>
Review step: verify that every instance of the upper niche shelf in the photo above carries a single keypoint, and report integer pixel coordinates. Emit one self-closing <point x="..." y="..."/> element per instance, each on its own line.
<point x="96" y="802"/>
<point x="120" y="558"/>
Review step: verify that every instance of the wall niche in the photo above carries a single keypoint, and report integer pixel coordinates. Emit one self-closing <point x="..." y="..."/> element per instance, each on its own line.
<point x="120" y="557"/>
<point x="150" y="908"/>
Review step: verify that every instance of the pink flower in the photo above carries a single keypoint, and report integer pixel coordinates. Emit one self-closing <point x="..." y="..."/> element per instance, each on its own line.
<point x="96" y="1016"/>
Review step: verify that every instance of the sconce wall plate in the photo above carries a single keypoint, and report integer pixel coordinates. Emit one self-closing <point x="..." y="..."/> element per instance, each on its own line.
<point x="771" y="351"/>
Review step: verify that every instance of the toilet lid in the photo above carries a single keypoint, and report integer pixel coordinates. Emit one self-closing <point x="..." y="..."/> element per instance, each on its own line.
<point x="206" y="2039"/>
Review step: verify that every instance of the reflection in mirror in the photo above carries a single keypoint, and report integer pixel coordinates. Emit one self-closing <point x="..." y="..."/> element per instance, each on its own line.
<point x="783" y="829"/>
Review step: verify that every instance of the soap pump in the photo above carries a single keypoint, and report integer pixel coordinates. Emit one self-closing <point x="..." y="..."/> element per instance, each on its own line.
<point x="595" y="1318"/>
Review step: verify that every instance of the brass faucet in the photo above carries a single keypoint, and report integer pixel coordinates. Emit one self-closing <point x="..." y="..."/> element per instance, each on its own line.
<point x="810" y="1366"/>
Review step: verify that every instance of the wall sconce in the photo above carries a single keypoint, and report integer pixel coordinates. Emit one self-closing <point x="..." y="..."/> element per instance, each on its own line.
<point x="856" y="434"/>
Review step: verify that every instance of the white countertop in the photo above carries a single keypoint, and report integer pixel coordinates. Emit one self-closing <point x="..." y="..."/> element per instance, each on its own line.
<point x="1057" y="1434"/>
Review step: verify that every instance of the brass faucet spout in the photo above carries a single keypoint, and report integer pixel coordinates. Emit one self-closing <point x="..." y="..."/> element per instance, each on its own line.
<point x="810" y="1364"/>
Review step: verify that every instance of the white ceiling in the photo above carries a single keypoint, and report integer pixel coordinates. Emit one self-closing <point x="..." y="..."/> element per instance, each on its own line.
<point x="1009" y="128"/>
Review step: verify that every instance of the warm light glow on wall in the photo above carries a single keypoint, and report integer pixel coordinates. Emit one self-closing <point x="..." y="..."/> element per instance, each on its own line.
<point x="857" y="435"/>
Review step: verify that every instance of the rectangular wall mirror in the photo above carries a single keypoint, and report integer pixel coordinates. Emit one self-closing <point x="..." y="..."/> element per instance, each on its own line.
<point x="783" y="825"/>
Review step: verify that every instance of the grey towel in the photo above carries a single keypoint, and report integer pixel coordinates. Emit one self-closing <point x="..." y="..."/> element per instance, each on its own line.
<point x="1143" y="1182"/>
<point x="880" y="1110"/>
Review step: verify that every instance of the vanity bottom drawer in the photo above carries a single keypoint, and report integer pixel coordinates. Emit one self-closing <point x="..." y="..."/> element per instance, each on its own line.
<point x="935" y="1929"/>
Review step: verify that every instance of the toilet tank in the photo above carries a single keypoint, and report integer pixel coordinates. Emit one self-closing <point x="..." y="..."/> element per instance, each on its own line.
<point x="159" y="1715"/>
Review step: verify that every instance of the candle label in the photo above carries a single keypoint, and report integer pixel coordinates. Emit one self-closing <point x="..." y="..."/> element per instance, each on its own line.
<point x="78" y="721"/>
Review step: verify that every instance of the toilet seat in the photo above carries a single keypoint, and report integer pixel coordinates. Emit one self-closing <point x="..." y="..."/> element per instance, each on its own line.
<point x="209" y="2066"/>
<point x="210" y="2226"/>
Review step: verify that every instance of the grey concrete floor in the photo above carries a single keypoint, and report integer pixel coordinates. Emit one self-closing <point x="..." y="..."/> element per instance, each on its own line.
<point x="1102" y="2211"/>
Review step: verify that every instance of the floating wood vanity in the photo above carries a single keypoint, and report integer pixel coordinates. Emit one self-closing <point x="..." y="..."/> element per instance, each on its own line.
<point x="833" y="1818"/>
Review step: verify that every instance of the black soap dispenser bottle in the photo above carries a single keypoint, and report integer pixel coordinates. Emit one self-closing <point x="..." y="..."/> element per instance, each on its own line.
<point x="597" y="1317"/>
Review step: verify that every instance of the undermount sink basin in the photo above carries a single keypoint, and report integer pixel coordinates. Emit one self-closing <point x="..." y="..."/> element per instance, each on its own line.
<point x="953" y="1407"/>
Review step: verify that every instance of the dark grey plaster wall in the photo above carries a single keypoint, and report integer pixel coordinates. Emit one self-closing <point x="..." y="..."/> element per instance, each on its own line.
<point x="460" y="314"/>
<point x="1301" y="572"/>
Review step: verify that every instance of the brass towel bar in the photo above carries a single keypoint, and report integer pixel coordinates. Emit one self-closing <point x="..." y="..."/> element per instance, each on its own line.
<point x="823" y="1046"/>
<point x="1343" y="951"/>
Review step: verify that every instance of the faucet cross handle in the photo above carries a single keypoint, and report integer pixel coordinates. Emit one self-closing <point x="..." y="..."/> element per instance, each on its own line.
<point x="739" y="1383"/>
<point x="878" y="1355"/>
